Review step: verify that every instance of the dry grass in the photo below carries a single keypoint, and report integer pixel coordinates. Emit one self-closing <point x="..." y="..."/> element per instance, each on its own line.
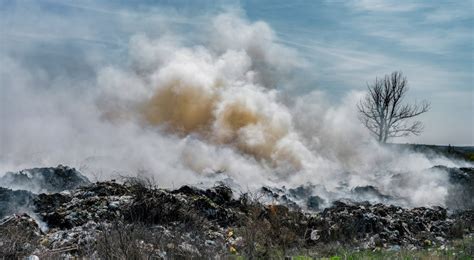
<point x="269" y="232"/>
<point x="17" y="242"/>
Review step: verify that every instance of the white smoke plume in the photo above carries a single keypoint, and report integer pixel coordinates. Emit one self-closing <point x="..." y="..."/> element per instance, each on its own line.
<point x="188" y="113"/>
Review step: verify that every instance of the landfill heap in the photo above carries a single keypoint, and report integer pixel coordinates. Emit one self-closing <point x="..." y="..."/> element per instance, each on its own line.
<point x="382" y="225"/>
<point x="135" y="220"/>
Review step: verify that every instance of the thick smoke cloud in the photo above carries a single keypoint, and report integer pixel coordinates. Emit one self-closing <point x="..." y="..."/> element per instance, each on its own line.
<point x="216" y="92"/>
<point x="188" y="113"/>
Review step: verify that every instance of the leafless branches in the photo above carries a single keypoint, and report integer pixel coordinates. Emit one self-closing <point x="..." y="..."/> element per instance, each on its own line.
<point x="382" y="110"/>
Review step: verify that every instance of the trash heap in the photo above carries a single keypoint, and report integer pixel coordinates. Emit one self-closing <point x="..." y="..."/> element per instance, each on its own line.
<point x="39" y="180"/>
<point x="379" y="225"/>
<point x="133" y="218"/>
<point x="461" y="191"/>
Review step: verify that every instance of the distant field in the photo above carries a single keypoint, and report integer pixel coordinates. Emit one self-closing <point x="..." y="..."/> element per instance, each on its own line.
<point x="455" y="152"/>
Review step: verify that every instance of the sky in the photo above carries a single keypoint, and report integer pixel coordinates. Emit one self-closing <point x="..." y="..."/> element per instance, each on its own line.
<point x="343" y="45"/>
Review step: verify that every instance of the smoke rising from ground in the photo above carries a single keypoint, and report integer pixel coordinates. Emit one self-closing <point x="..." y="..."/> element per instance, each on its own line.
<point x="217" y="92"/>
<point x="180" y="113"/>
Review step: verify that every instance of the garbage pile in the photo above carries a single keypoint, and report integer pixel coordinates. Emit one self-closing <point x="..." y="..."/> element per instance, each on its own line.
<point x="19" y="190"/>
<point x="303" y="197"/>
<point x="461" y="191"/>
<point x="38" y="180"/>
<point x="379" y="225"/>
<point x="150" y="222"/>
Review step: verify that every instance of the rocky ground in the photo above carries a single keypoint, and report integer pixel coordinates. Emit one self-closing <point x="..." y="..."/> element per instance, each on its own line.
<point x="57" y="212"/>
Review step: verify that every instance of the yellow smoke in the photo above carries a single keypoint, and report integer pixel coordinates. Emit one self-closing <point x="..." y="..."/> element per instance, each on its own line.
<point x="250" y="131"/>
<point x="186" y="108"/>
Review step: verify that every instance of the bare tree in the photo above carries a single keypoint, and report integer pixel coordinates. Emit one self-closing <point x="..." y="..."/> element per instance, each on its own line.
<point x="382" y="110"/>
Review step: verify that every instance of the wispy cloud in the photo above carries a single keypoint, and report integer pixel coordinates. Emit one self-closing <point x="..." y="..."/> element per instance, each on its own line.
<point x="385" y="6"/>
<point x="429" y="27"/>
<point x="461" y="10"/>
<point x="437" y="41"/>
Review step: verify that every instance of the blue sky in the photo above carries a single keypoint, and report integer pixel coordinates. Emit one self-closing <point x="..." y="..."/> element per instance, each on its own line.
<point x="344" y="43"/>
